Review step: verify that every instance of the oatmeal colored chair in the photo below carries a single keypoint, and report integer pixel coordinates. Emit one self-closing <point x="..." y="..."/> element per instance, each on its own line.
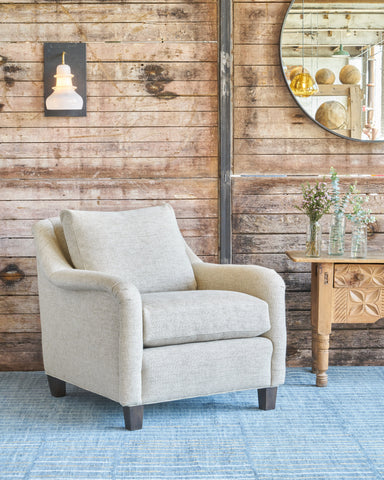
<point x="129" y="312"/>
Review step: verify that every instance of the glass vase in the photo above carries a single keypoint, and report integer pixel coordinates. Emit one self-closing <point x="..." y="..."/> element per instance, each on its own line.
<point x="359" y="241"/>
<point x="336" y="234"/>
<point x="313" y="243"/>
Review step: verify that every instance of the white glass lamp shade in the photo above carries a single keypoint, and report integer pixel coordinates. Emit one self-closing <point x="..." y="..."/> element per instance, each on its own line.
<point x="64" y="96"/>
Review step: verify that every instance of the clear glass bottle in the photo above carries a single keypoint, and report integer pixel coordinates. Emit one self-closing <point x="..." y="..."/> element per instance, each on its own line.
<point x="336" y="234"/>
<point x="313" y="243"/>
<point x="359" y="240"/>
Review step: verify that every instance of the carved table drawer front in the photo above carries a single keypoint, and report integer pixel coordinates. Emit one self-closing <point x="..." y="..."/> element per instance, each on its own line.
<point x="355" y="275"/>
<point x="358" y="305"/>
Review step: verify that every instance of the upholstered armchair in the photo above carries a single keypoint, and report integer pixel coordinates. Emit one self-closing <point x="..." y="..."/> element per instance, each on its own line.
<point x="129" y="312"/>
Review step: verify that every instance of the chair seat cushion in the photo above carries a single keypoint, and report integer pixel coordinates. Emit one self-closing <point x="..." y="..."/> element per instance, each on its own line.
<point x="141" y="246"/>
<point x="172" y="318"/>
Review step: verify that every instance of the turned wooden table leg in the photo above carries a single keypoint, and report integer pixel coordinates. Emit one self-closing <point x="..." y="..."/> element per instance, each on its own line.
<point x="322" y="350"/>
<point x="322" y="315"/>
<point x="314" y="318"/>
<point x="314" y="350"/>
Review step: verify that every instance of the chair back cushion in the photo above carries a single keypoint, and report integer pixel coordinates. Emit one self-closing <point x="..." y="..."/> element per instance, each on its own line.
<point x="142" y="246"/>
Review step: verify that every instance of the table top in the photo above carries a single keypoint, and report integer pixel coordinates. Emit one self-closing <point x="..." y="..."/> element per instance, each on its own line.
<point x="299" y="256"/>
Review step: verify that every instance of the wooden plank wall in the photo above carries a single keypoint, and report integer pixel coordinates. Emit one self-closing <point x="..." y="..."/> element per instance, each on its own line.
<point x="150" y="134"/>
<point x="282" y="148"/>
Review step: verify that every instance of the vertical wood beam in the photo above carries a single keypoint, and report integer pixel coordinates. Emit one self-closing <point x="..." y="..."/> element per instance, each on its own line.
<point x="225" y="129"/>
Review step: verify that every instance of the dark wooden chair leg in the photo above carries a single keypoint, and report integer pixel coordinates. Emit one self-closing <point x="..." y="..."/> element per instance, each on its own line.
<point x="133" y="417"/>
<point x="267" y="398"/>
<point x="56" y="386"/>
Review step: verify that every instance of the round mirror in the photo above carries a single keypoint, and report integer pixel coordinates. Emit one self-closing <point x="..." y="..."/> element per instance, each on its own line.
<point x="332" y="59"/>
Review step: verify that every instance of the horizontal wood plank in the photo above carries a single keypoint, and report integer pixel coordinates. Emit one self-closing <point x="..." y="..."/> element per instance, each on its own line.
<point x="108" y="12"/>
<point x="182" y="167"/>
<point x="18" y="51"/>
<point x="25" y="264"/>
<point x="298" y="301"/>
<point x="300" y="165"/>
<point x="255" y="1"/>
<point x="254" y="54"/>
<point x="258" y="22"/>
<point x="267" y="243"/>
<point x="286" y="204"/>
<point x="22" y="304"/>
<point x="263" y="96"/>
<point x="24" y="286"/>
<point x="108" y="134"/>
<point x="36" y="210"/>
<point x="123" y="71"/>
<point x="277" y="261"/>
<point x="120" y="104"/>
<point x="260" y="76"/>
<point x="276" y="123"/>
<point x="286" y="184"/>
<point x="116" y="32"/>
<point x="106" y="119"/>
<point x="90" y="2"/>
<point x="115" y="88"/>
<point x="134" y="189"/>
<point x="311" y="146"/>
<point x="19" y="323"/>
<point x="115" y="148"/>
<point x="20" y="351"/>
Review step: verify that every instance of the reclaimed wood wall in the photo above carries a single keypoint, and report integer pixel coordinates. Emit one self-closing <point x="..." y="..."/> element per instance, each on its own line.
<point x="150" y="134"/>
<point x="279" y="148"/>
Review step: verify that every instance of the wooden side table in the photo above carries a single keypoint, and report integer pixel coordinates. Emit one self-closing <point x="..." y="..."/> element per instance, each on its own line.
<point x="343" y="290"/>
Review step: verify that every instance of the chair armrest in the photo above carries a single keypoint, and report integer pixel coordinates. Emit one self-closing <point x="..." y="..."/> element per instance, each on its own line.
<point x="261" y="282"/>
<point x="74" y="279"/>
<point x="98" y="318"/>
<point x="251" y="279"/>
<point x="92" y="328"/>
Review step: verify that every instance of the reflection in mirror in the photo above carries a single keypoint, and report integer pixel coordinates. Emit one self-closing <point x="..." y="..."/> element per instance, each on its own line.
<point x="340" y="45"/>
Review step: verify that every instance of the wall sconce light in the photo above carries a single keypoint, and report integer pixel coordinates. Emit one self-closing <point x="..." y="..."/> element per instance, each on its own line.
<point x="61" y="97"/>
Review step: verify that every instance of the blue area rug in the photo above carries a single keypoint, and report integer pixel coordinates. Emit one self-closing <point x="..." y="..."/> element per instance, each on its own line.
<point x="315" y="433"/>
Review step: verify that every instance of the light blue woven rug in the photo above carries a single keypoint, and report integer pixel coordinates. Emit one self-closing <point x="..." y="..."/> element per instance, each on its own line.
<point x="315" y="433"/>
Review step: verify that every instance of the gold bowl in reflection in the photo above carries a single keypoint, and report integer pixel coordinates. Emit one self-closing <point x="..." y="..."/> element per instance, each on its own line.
<point x="303" y="85"/>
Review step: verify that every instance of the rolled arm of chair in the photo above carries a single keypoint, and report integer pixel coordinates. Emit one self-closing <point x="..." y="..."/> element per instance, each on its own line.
<point x="107" y="314"/>
<point x="90" y="319"/>
<point x="74" y="279"/>
<point x="260" y="282"/>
